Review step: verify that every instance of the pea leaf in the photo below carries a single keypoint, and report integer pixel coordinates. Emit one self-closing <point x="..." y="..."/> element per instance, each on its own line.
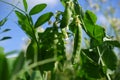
<point x="2" y="22"/>
<point x="63" y="2"/>
<point x="36" y="75"/>
<point x="36" y="9"/>
<point x="6" y="30"/>
<point x="25" y="5"/>
<point x="96" y="32"/>
<point x="43" y="19"/>
<point x="20" y="15"/>
<point x="18" y="64"/>
<point x="31" y="50"/>
<point x="114" y="43"/>
<point x="24" y="22"/>
<point x="110" y="59"/>
<point x="5" y="38"/>
<point x="89" y="64"/>
<point x="4" y="72"/>
<point x="92" y="17"/>
<point x="1" y="50"/>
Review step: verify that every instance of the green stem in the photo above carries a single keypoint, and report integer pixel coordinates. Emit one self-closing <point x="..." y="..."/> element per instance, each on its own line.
<point x="100" y="55"/>
<point x="36" y="64"/>
<point x="31" y="25"/>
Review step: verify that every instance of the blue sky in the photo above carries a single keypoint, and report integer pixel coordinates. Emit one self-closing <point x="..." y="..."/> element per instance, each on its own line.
<point x="18" y="36"/>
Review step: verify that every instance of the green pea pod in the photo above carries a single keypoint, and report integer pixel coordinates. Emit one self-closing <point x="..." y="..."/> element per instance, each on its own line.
<point x="77" y="40"/>
<point x="66" y="16"/>
<point x="78" y="11"/>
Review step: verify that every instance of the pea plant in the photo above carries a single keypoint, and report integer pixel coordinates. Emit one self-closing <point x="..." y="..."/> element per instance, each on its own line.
<point x="50" y="57"/>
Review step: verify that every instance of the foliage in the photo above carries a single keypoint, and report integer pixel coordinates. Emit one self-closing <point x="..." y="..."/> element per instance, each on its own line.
<point x="47" y="58"/>
<point x="2" y="22"/>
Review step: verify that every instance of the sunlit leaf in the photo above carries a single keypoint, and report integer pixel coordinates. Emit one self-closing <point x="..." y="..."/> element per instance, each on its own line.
<point x="99" y="33"/>
<point x="24" y="22"/>
<point x="25" y="5"/>
<point x="20" y="15"/>
<point x="64" y="2"/>
<point x="38" y="8"/>
<point x="25" y="26"/>
<point x="43" y="19"/>
<point x="96" y="32"/>
<point x="2" y="22"/>
<point x="92" y="17"/>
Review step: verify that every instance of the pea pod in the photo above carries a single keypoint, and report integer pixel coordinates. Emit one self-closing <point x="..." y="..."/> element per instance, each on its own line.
<point x="77" y="40"/>
<point x="66" y="16"/>
<point x="78" y="11"/>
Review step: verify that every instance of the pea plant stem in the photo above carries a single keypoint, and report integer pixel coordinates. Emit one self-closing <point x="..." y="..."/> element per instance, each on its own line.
<point x="36" y="64"/>
<point x="102" y="62"/>
<point x="35" y="38"/>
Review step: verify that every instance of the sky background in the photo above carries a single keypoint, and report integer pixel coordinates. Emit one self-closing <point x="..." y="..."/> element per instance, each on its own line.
<point x="19" y="37"/>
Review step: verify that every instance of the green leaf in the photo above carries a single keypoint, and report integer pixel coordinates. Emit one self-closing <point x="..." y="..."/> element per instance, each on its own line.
<point x="36" y="75"/>
<point x="31" y="51"/>
<point x="4" y="72"/>
<point x="5" y="38"/>
<point x="20" y="15"/>
<point x="24" y="22"/>
<point x="25" y="5"/>
<point x="64" y="2"/>
<point x="10" y="63"/>
<point x="11" y="52"/>
<point x="49" y="47"/>
<point x="89" y="64"/>
<point x="2" y="22"/>
<point x="96" y="32"/>
<point x="1" y="50"/>
<point x="92" y="70"/>
<point x="114" y="43"/>
<point x="92" y="17"/>
<point x="43" y="19"/>
<point x="38" y="8"/>
<point x="110" y="59"/>
<point x="25" y="26"/>
<point x="18" y="64"/>
<point x="6" y="30"/>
